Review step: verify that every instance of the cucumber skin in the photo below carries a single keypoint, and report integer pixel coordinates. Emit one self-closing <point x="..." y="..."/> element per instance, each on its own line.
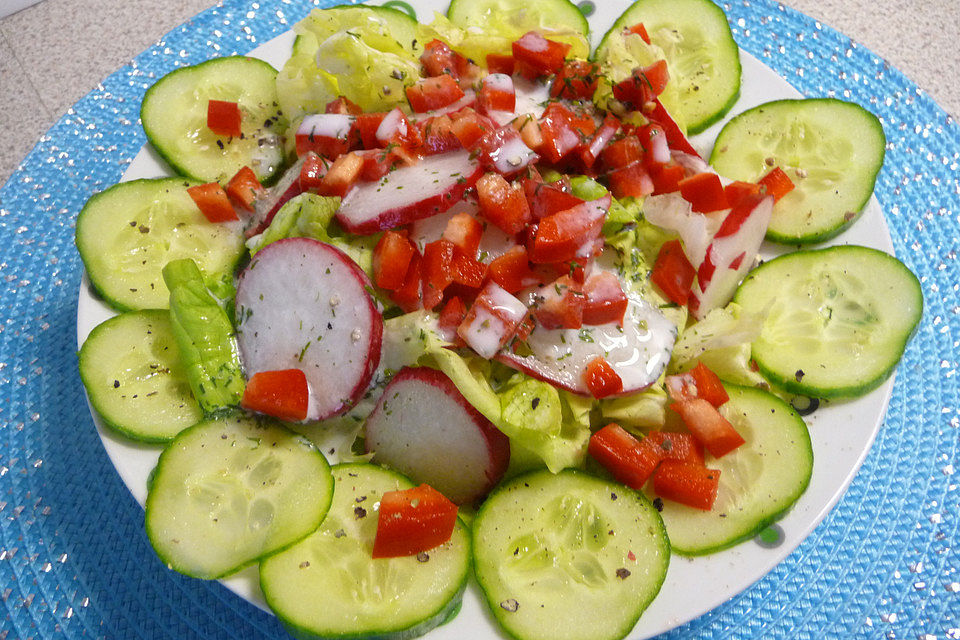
<point x="167" y="158"/>
<point x="790" y="384"/>
<point x="441" y="617"/>
<point x="733" y="389"/>
<point x="826" y="234"/>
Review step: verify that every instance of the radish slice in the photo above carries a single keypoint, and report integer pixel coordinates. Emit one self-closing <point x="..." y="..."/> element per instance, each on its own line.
<point x="425" y="428"/>
<point x="335" y="126"/>
<point x="532" y="96"/>
<point x="468" y="100"/>
<point x="638" y="352"/>
<point x="302" y="304"/>
<point x="266" y="206"/>
<point x="696" y="230"/>
<point x="409" y="193"/>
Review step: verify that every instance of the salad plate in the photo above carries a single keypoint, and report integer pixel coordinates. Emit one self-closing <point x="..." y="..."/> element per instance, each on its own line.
<point x="846" y="574"/>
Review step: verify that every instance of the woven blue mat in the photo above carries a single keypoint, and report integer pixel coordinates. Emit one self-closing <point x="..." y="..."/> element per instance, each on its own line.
<point x="75" y="563"/>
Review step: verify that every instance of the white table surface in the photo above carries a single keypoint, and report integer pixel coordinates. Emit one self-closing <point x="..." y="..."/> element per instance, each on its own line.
<point x="53" y="53"/>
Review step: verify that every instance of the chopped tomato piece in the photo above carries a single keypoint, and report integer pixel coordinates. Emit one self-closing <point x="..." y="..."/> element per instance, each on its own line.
<point x="776" y="183"/>
<point x="499" y="63"/>
<point x="281" y="394"/>
<point x="666" y="177"/>
<point x="577" y="80"/>
<point x="223" y="118"/>
<point x="343" y="105"/>
<point x="735" y="191"/>
<point x="244" y="188"/>
<point x="407" y="297"/>
<point x="628" y="460"/>
<point x="496" y="93"/>
<point x="391" y="259"/>
<point x="541" y="56"/>
<point x="412" y="521"/>
<point x="704" y="192"/>
<point x="560" y="237"/>
<point x="707" y="425"/>
<point x="681" y="447"/>
<point x="689" y="484"/>
<point x="464" y="231"/>
<point x="673" y="273"/>
<point x="433" y="93"/>
<point x="312" y="171"/>
<point x="709" y="386"/>
<point x="559" y="305"/>
<point x="439" y="59"/>
<point x="631" y="181"/>
<point x="502" y="204"/>
<point x="213" y="202"/>
<point x="601" y="378"/>
<point x="622" y="152"/>
<point x="548" y="198"/>
<point x="436" y="271"/>
<point x="341" y="175"/>
<point x="512" y="270"/>
<point x="604" y="299"/>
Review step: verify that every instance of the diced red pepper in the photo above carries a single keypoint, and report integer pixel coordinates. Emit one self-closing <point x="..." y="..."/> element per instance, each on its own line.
<point x="376" y="163"/>
<point x="281" y="394"/>
<point x="438" y="136"/>
<point x="776" y="183"/>
<point x="244" y="188"/>
<point x="396" y="129"/>
<point x="604" y="299"/>
<point x="439" y="59"/>
<point x="468" y="271"/>
<point x="680" y="447"/>
<point x="655" y="143"/>
<point x="601" y="378"/>
<point x="666" y="177"/>
<point x="641" y="31"/>
<point x="675" y="136"/>
<point x="577" y="80"/>
<point x="563" y="130"/>
<point x="502" y="204"/>
<point x="407" y="297"/>
<point x="496" y="93"/>
<point x="622" y="152"/>
<point x="504" y="151"/>
<point x="213" y="202"/>
<point x="512" y="270"/>
<point x="736" y="191"/>
<point x="643" y="86"/>
<point x="452" y="314"/>
<point x="367" y="124"/>
<point x="224" y="118"/>
<point x="469" y="127"/>
<point x="709" y="386"/>
<point x="559" y="305"/>
<point x="433" y="93"/>
<point x="391" y="259"/>
<point x="548" y="198"/>
<point x="559" y="237"/>
<point x="689" y="484"/>
<point x="412" y="521"/>
<point x="344" y="106"/>
<point x="499" y="63"/>
<point x="312" y="171"/>
<point x="628" y="460"/>
<point x="707" y="425"/>
<point x="436" y="271"/>
<point x="341" y="175"/>
<point x="329" y="135"/>
<point x="601" y="139"/>
<point x="631" y="181"/>
<point x="464" y="231"/>
<point x="704" y="192"/>
<point x="673" y="273"/>
<point x="541" y="56"/>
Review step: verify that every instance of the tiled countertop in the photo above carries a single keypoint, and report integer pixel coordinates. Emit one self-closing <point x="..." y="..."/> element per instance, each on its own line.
<point x="53" y="53"/>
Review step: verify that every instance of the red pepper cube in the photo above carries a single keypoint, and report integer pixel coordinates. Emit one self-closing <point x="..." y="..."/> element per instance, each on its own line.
<point x="341" y="175"/>
<point x="631" y="181"/>
<point x="499" y="63"/>
<point x="680" y="447"/>
<point x="737" y="190"/>
<point x="709" y="427"/>
<point x="559" y="305"/>
<point x="776" y="183"/>
<point x="244" y="188"/>
<point x="688" y="484"/>
<point x="344" y="106"/>
<point x="511" y="270"/>
<point x="281" y="394"/>
<point x="468" y="271"/>
<point x="604" y="299"/>
<point x="469" y="127"/>
<point x="224" y="118"/>
<point x="622" y="152"/>
<point x="559" y="238"/>
<point x="438" y="136"/>
<point x="709" y="386"/>
<point x="433" y="93"/>
<point x="704" y="192"/>
<point x="312" y="171"/>
<point x="464" y="231"/>
<point x="412" y="521"/>
<point x="436" y="271"/>
<point x="502" y="204"/>
<point x="666" y="177"/>
<point x="641" y="31"/>
<point x="542" y="57"/>
<point x="367" y="125"/>
<point x="213" y="202"/>
<point x="391" y="259"/>
<point x="601" y="378"/>
<point x="577" y="80"/>
<point x="563" y="130"/>
<point x="628" y="460"/>
<point x="591" y="151"/>
<point x="673" y="273"/>
<point x="548" y="198"/>
<point x="439" y="59"/>
<point x="407" y="297"/>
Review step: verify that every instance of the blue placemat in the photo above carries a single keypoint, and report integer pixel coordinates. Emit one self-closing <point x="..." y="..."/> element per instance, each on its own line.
<point x="75" y="563"/>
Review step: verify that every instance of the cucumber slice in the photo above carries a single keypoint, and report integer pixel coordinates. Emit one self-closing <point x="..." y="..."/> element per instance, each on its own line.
<point x="701" y="54"/>
<point x="759" y="481"/>
<point x="130" y="366"/>
<point x="329" y="586"/>
<point x="174" y="116"/>
<point x="568" y="556"/>
<point x="559" y="20"/>
<point x="127" y="233"/>
<point x="837" y="321"/>
<point x="831" y="149"/>
<point x="228" y="492"/>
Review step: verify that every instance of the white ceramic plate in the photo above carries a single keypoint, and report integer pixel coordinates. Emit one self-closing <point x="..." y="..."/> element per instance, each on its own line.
<point x="841" y="433"/>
